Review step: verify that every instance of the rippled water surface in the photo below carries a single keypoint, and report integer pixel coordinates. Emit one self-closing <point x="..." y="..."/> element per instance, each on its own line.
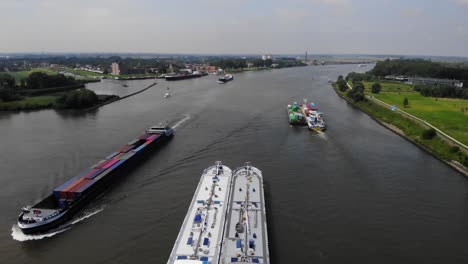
<point x="357" y="194"/>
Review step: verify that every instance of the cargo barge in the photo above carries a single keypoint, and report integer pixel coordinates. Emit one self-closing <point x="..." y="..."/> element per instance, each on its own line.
<point x="246" y="238"/>
<point x="295" y="115"/>
<point x="68" y="198"/>
<point x="201" y="235"/>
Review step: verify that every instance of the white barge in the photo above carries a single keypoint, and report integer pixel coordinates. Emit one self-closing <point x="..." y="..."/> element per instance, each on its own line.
<point x="201" y="235"/>
<point x="245" y="233"/>
<point x="226" y="221"/>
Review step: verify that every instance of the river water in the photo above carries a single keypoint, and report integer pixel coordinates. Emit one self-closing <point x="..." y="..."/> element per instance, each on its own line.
<point x="357" y="194"/>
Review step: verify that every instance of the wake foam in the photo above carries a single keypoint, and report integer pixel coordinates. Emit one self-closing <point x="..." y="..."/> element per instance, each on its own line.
<point x="187" y="117"/>
<point x="18" y="235"/>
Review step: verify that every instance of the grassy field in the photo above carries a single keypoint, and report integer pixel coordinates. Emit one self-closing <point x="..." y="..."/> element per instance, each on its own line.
<point x="30" y="103"/>
<point x="94" y="74"/>
<point x="24" y="74"/>
<point x="411" y="129"/>
<point x="449" y="115"/>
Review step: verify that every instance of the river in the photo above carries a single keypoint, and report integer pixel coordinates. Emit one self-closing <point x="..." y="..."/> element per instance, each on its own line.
<point x="356" y="194"/>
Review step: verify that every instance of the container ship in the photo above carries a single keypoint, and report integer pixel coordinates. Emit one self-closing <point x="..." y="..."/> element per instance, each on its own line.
<point x="201" y="235"/>
<point x="295" y="115"/>
<point x="245" y="232"/>
<point x="226" y="220"/>
<point x="184" y="74"/>
<point x="313" y="116"/>
<point x="68" y="198"/>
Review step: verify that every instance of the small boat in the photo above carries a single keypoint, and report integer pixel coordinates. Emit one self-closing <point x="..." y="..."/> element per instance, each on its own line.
<point x="226" y="78"/>
<point x="124" y="85"/>
<point x="167" y="95"/>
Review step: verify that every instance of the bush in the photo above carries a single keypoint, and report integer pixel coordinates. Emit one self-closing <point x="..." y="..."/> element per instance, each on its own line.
<point x="342" y="86"/>
<point x="405" y="102"/>
<point x="376" y="87"/>
<point x="454" y="149"/>
<point x="429" y="133"/>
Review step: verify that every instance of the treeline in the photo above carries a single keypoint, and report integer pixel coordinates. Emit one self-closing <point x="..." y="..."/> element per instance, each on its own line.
<point x="7" y="88"/>
<point x="40" y="80"/>
<point x="428" y="90"/>
<point x="443" y="91"/>
<point x="357" y="93"/>
<point x="420" y="68"/>
<point x="234" y="63"/>
<point x="82" y="98"/>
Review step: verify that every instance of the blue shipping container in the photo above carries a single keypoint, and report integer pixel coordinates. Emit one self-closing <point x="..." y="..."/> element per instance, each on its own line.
<point x="140" y="148"/>
<point x="117" y="164"/>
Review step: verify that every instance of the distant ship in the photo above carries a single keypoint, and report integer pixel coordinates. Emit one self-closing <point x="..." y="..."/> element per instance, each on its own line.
<point x="184" y="74"/>
<point x="68" y="198"/>
<point x="226" y="78"/>
<point x="295" y="115"/>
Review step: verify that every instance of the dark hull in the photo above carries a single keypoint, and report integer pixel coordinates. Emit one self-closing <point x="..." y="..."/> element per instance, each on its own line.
<point x="182" y="77"/>
<point x="97" y="189"/>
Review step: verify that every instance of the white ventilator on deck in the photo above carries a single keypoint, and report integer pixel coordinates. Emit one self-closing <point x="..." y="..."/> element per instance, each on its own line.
<point x="201" y="234"/>
<point x="245" y="233"/>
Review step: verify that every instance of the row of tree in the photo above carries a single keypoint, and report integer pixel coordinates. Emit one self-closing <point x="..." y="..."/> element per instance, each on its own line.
<point x="77" y="99"/>
<point x="40" y="80"/>
<point x="7" y="86"/>
<point x="444" y="91"/>
<point x="421" y="68"/>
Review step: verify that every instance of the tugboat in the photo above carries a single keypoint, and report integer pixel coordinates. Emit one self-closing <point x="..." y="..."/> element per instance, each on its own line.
<point x="226" y="78"/>
<point x="295" y="115"/>
<point x="313" y="117"/>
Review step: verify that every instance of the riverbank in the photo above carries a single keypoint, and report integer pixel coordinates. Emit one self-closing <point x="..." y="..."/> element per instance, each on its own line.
<point x="412" y="132"/>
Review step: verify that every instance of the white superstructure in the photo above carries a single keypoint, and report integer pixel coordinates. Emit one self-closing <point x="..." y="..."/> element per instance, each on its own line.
<point x="201" y="234"/>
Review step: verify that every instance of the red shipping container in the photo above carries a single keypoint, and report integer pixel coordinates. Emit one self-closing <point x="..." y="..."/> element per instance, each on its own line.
<point x="152" y="137"/>
<point x="112" y="162"/>
<point x="81" y="184"/>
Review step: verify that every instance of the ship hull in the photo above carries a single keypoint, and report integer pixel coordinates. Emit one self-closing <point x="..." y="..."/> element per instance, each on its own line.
<point x="182" y="77"/>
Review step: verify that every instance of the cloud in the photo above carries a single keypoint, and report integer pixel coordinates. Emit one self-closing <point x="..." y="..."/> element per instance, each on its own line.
<point x="462" y="2"/>
<point x="337" y="3"/>
<point x="460" y="32"/>
<point x="412" y="12"/>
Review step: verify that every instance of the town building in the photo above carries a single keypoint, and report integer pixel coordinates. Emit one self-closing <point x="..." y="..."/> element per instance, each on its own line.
<point x="434" y="81"/>
<point x="115" y="68"/>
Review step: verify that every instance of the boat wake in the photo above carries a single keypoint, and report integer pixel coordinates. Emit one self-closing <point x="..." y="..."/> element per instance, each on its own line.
<point x="18" y="235"/>
<point x="187" y="117"/>
<point x="322" y="135"/>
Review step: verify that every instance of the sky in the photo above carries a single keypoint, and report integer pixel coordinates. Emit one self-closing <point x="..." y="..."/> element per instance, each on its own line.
<point x="411" y="27"/>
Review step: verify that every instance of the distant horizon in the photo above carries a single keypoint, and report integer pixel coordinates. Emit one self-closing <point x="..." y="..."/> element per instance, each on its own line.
<point x="382" y="55"/>
<point x="212" y="27"/>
